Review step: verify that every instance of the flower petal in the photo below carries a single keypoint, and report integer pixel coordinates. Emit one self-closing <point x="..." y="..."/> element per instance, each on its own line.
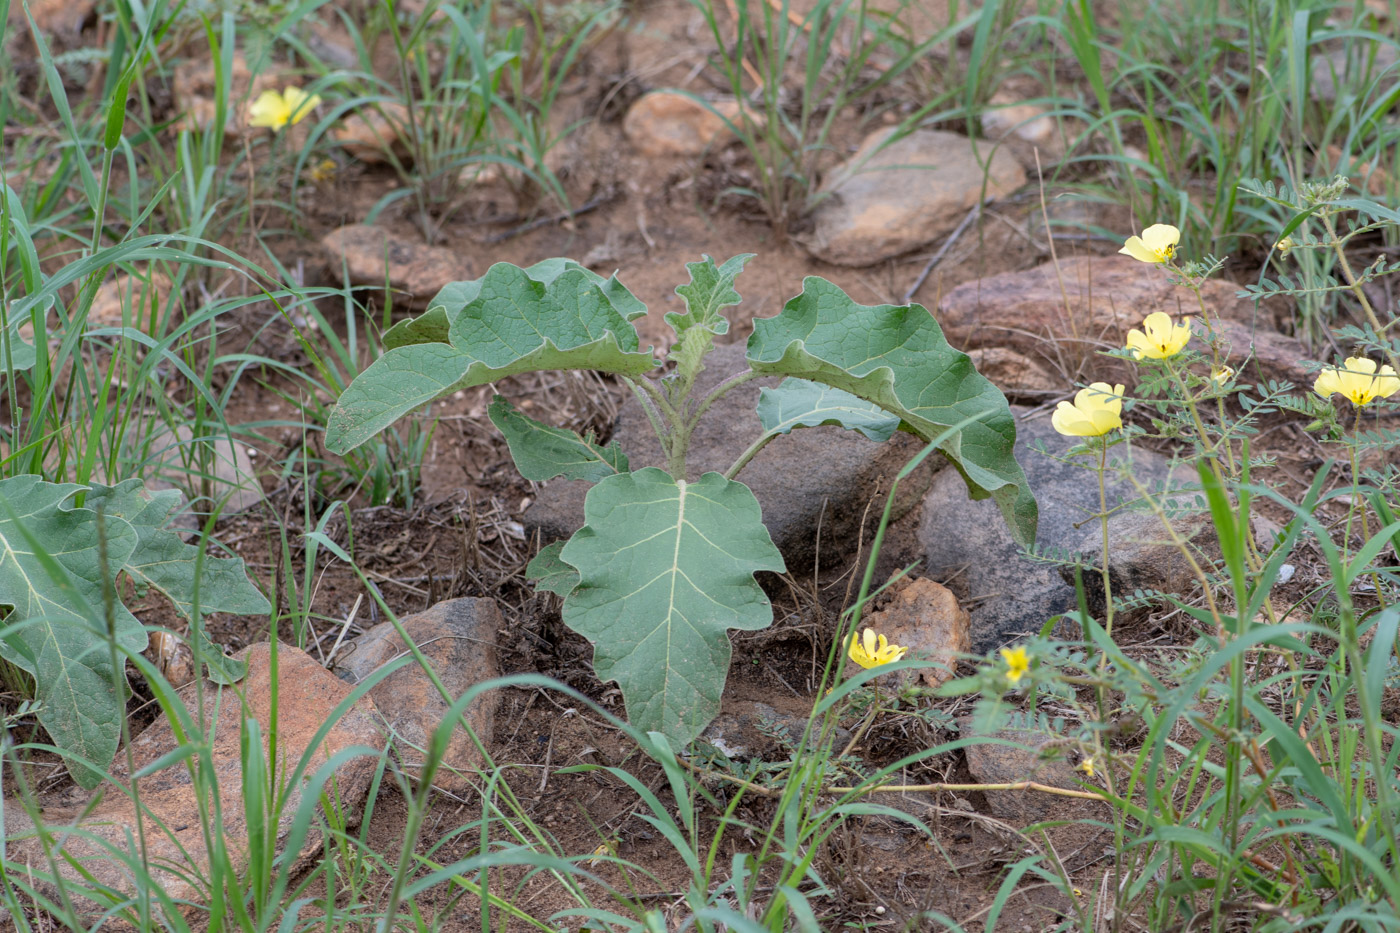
<point x="1136" y="248"/>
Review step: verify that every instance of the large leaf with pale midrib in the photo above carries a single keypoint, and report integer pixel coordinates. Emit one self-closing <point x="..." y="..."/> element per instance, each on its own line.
<point x="665" y="569"/>
<point x="541" y="451"/>
<point x="55" y="629"/>
<point x="898" y="358"/>
<point x="555" y="315"/>
<point x="797" y="403"/>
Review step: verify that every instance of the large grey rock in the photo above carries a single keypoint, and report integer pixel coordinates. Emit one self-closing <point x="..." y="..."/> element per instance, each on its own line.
<point x="967" y="545"/>
<point x="458" y="638"/>
<point x="815" y="477"/>
<point x="307" y="695"/>
<point x="890" y="199"/>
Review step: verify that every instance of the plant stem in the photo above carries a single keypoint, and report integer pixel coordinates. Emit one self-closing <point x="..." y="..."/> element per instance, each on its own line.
<point x="1356" y="288"/>
<point x="749" y="454"/>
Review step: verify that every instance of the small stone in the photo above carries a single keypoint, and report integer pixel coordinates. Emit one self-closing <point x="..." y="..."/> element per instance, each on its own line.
<point x="797" y="500"/>
<point x="748" y="730"/>
<point x="372" y="255"/>
<point x="1030" y="756"/>
<point x="1025" y="128"/>
<point x="924" y="617"/>
<point x="1355" y="64"/>
<point x="128" y="300"/>
<point x="458" y="637"/>
<point x="307" y="695"/>
<point x="372" y="134"/>
<point x="213" y="470"/>
<point x="888" y="199"/>
<point x="967" y="544"/>
<point x="53" y="18"/>
<point x="1018" y="377"/>
<point x="665" y="123"/>
<point x="1090" y="303"/>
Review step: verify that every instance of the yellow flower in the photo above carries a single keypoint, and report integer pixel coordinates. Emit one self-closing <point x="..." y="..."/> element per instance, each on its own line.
<point x="1096" y="411"/>
<point x="322" y="171"/>
<point x="869" y="653"/>
<point x="1162" y="339"/>
<point x="1357" y="381"/>
<point x="604" y="848"/>
<point x="1284" y="245"/>
<point x="1157" y="244"/>
<point x="275" y="110"/>
<point x="1222" y="376"/>
<point x="1017" y="662"/>
<point x="1087" y="766"/>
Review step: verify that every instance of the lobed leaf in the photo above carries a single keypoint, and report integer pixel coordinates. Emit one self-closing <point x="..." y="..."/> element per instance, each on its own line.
<point x="542" y="452"/>
<point x="554" y="315"/>
<point x="798" y="403"/>
<point x="549" y="572"/>
<point x="898" y="358"/>
<point x="665" y="568"/>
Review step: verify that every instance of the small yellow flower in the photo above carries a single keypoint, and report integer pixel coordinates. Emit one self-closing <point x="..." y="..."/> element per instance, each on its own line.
<point x="1017" y="662"/>
<point x="872" y="651"/>
<point x="1087" y="766"/>
<point x="1157" y="244"/>
<point x="1357" y="381"/>
<point x="275" y="110"/>
<point x="1096" y="411"/>
<point x="322" y="171"/>
<point x="1284" y="245"/>
<point x="606" y="847"/>
<point x="1222" y="376"/>
<point x="1162" y="339"/>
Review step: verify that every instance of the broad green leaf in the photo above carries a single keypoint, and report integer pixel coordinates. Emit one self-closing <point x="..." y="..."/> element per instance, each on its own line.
<point x="23" y="354"/>
<point x="164" y="561"/>
<point x="665" y="568"/>
<point x="429" y="327"/>
<point x="51" y="578"/>
<point x="898" y="358"/>
<point x="549" y="572"/>
<point x="711" y="288"/>
<point x="797" y="403"/>
<point x="542" y="452"/>
<point x="510" y="323"/>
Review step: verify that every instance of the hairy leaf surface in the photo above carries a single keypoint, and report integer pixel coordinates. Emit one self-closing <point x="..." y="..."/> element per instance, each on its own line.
<point x="541" y="452"/>
<point x="549" y="572"/>
<point x="798" y="403"/>
<point x="898" y="358"/>
<point x="665" y="569"/>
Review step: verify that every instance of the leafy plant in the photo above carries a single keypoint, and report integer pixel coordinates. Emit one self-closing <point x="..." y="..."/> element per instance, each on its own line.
<point x="57" y="577"/>
<point x="664" y="564"/>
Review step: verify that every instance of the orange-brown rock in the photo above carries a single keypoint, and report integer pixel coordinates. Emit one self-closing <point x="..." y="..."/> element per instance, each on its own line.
<point x="925" y="618"/>
<point x="373" y="134"/>
<point x="1017" y="376"/>
<point x="458" y="638"/>
<point x="664" y="123"/>
<point x="373" y="256"/>
<point x="307" y="695"/>
<point x="129" y="299"/>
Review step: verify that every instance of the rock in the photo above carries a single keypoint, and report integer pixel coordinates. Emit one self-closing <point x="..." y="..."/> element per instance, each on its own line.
<point x="458" y="637"/>
<point x="665" y="123"/>
<point x="131" y="296"/>
<point x="966" y="544"/>
<point x="214" y="470"/>
<point x="372" y="134"/>
<point x="1142" y="556"/>
<point x="1032" y="757"/>
<point x="53" y="18"/>
<point x="1090" y="305"/>
<point x="748" y="730"/>
<point x="307" y="695"/>
<point x="925" y="618"/>
<point x="915" y="21"/>
<point x="1017" y="376"/>
<point x="1026" y="129"/>
<point x="1356" y="64"/>
<point x="799" y="502"/>
<point x="886" y="201"/>
<point x="372" y="255"/>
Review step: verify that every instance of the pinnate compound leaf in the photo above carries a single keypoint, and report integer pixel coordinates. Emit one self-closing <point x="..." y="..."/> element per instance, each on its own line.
<point x="665" y="568"/>
<point x="797" y="403"/>
<point x="164" y="561"/>
<point x="898" y="358"/>
<point x="549" y="572"/>
<point x="542" y="452"/>
<point x="508" y="322"/>
<point x="51" y="578"/>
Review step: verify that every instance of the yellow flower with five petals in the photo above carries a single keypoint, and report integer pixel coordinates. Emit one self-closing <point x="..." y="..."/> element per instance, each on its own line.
<point x="1157" y="244"/>
<point x="275" y="110"/>
<point x="1159" y="338"/>
<point x="1087" y="766"/>
<point x="872" y="650"/>
<point x="1096" y="411"/>
<point x="1357" y="381"/>
<point x="1018" y="662"/>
